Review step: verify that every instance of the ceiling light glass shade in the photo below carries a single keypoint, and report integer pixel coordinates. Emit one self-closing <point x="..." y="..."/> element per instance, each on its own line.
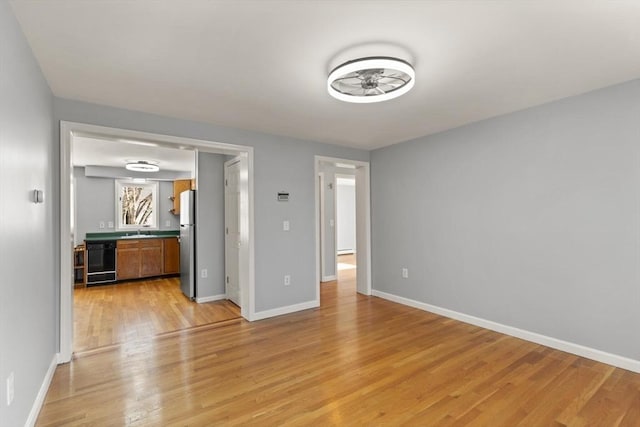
<point x="142" y="166"/>
<point x="371" y="79"/>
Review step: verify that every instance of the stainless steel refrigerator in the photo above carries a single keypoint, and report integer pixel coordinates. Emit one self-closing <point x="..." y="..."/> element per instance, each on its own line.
<point x="188" y="243"/>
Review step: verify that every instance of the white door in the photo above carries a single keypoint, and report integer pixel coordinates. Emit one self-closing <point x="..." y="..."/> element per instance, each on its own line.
<point x="232" y="229"/>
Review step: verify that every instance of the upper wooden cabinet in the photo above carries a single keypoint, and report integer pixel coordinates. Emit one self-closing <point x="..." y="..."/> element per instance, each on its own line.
<point x="179" y="186"/>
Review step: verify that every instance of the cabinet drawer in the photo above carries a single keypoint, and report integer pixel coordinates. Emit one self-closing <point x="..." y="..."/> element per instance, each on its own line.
<point x="150" y="243"/>
<point x="128" y="244"/>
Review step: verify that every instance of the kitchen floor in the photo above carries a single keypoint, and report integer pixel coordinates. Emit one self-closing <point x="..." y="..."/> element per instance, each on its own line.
<point x="113" y="314"/>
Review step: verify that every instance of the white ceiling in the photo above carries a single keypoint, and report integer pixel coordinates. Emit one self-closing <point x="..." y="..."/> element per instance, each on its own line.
<point x="262" y="64"/>
<point x="90" y="151"/>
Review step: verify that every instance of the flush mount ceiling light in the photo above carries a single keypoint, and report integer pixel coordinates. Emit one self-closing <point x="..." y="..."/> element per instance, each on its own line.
<point x="142" y="166"/>
<point x="371" y="79"/>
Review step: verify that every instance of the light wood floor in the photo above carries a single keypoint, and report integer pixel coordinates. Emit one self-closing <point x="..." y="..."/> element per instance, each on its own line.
<point x="355" y="361"/>
<point x="113" y="314"/>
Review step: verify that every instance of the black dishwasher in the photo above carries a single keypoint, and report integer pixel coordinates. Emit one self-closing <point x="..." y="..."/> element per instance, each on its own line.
<point x="101" y="262"/>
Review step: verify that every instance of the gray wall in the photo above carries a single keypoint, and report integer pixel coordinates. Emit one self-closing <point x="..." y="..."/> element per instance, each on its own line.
<point x="210" y="225"/>
<point x="27" y="289"/>
<point x="346" y="216"/>
<point x="531" y="219"/>
<point x="95" y="202"/>
<point x="280" y="163"/>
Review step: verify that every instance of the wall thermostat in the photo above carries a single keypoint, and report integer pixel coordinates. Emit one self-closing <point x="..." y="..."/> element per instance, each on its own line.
<point x="283" y="196"/>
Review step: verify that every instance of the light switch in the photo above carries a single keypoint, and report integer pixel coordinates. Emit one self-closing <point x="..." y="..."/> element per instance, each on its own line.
<point x="285" y="225"/>
<point x="101" y="225"/>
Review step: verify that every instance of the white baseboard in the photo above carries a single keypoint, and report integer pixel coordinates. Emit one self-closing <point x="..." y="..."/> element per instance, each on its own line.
<point x="201" y="300"/>
<point x="328" y="278"/>
<point x="285" y="310"/>
<point x="42" y="393"/>
<point x="569" y="347"/>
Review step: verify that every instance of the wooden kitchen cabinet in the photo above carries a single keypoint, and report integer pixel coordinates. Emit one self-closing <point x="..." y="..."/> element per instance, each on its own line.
<point x="128" y="260"/>
<point x="139" y="258"/>
<point x="151" y="260"/>
<point x="171" y="255"/>
<point x="179" y="186"/>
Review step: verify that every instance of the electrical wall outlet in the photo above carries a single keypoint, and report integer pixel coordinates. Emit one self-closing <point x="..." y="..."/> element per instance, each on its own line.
<point x="286" y="226"/>
<point x="405" y="273"/>
<point x="167" y="223"/>
<point x="204" y="273"/>
<point x="110" y="224"/>
<point x="101" y="225"/>
<point x="287" y="280"/>
<point x="10" y="389"/>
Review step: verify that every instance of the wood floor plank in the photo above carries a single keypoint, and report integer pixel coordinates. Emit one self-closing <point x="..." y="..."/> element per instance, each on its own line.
<point x="355" y="361"/>
<point x="113" y="314"/>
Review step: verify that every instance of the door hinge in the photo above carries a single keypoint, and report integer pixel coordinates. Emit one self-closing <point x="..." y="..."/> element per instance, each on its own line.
<point x="226" y="182"/>
<point x="227" y="230"/>
<point x="227" y="279"/>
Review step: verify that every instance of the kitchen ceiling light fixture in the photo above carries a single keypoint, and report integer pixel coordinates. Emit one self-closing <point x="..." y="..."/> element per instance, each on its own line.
<point x="142" y="166"/>
<point x="371" y="79"/>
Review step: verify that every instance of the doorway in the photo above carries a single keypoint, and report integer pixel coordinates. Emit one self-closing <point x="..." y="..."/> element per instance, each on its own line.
<point x="345" y="228"/>
<point x="69" y="131"/>
<point x="357" y="259"/>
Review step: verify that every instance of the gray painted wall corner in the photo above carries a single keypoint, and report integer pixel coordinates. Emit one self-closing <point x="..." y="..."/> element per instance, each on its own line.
<point x="531" y="219"/>
<point x="210" y="225"/>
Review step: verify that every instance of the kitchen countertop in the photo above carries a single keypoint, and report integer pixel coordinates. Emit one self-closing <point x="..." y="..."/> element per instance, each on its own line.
<point x="120" y="235"/>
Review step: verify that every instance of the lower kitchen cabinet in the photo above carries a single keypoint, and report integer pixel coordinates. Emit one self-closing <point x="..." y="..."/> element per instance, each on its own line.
<point x="151" y="259"/>
<point x="147" y="258"/>
<point x="171" y="255"/>
<point x="128" y="260"/>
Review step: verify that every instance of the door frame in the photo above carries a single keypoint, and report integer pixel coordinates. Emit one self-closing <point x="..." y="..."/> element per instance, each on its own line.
<point x="363" y="222"/>
<point x="68" y="130"/>
<point x="323" y="229"/>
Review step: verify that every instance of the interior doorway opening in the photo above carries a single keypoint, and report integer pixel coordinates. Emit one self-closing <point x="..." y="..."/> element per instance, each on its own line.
<point x="343" y="223"/>
<point x="68" y="132"/>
